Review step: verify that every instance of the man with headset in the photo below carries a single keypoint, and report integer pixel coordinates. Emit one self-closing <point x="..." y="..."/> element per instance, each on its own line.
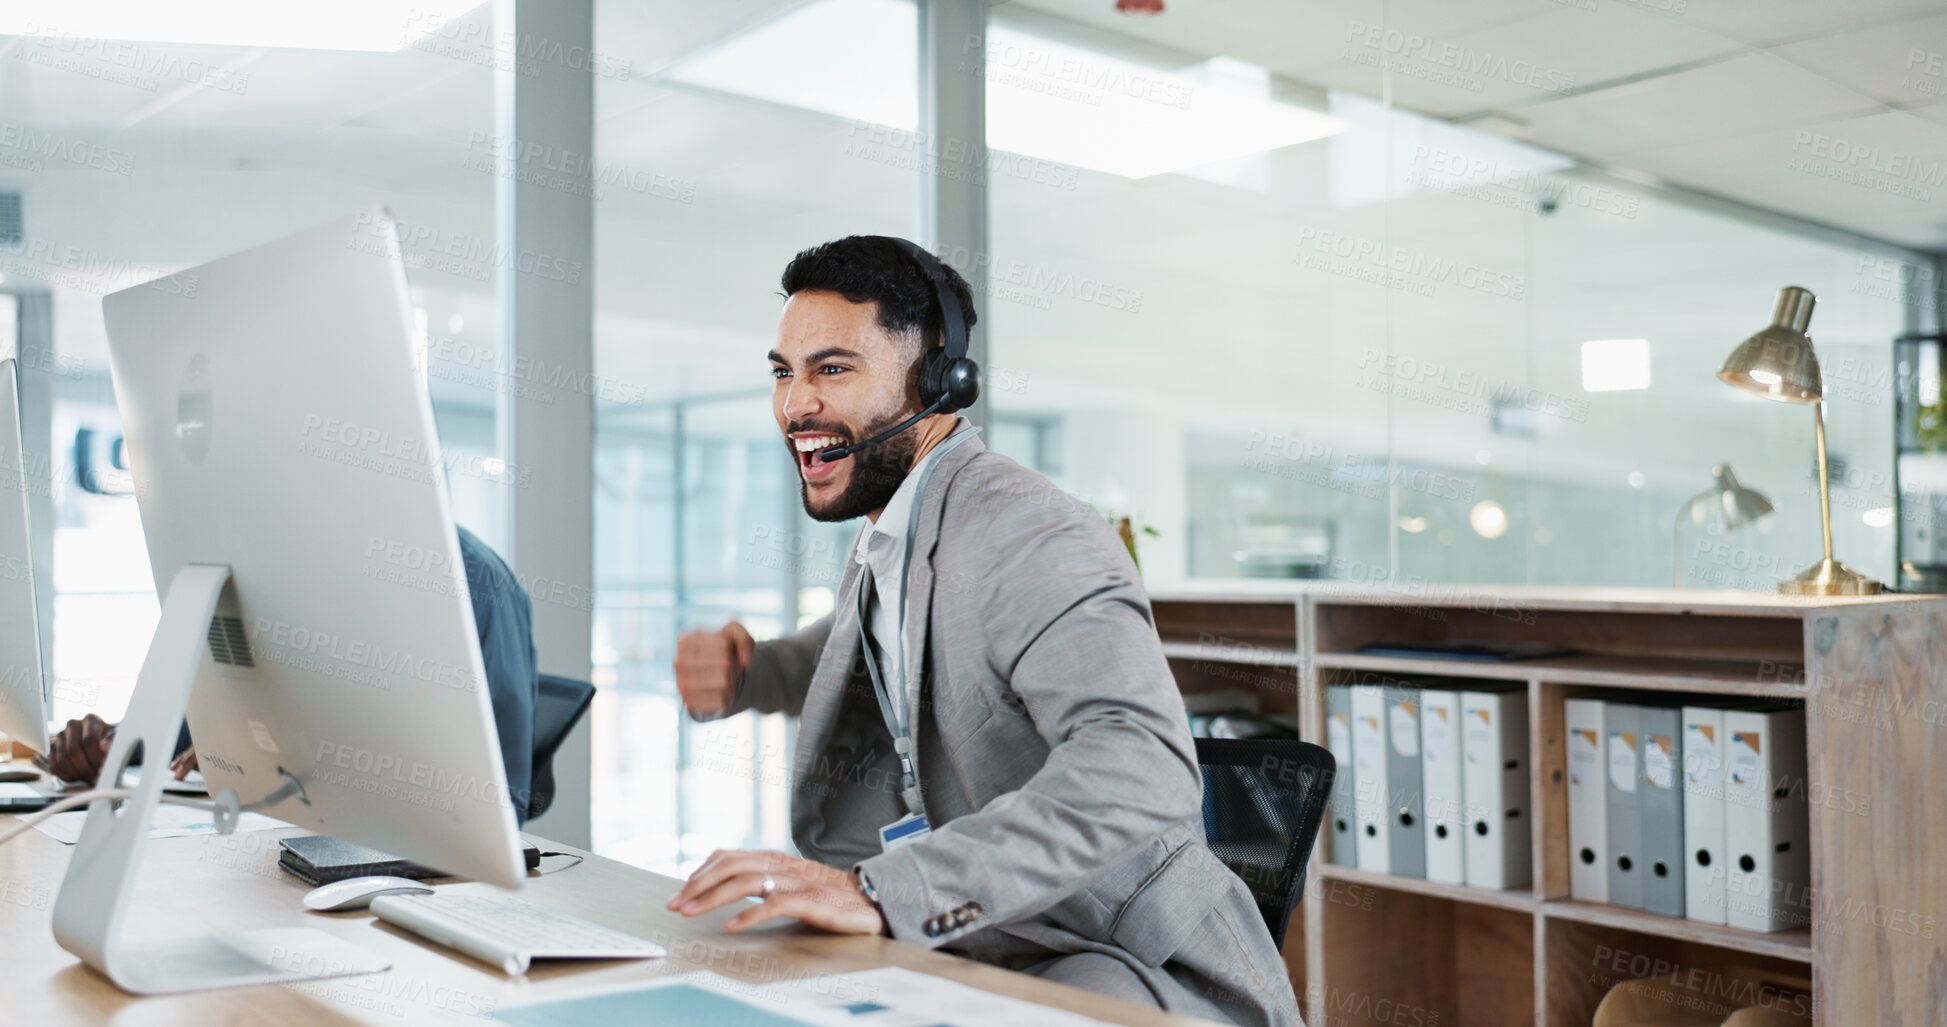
<point x="992" y="756"/>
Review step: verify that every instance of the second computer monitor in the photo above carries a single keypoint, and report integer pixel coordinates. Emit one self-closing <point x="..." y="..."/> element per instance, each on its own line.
<point x="277" y="427"/>
<point x="23" y="672"/>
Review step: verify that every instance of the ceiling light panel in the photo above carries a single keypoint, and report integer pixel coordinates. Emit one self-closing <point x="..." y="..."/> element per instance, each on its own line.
<point x="1051" y="100"/>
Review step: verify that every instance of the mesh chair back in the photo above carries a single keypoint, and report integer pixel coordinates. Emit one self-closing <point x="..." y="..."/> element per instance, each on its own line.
<point x="559" y="703"/>
<point x="1263" y="800"/>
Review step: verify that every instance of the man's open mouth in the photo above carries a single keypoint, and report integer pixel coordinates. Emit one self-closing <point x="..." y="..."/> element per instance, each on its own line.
<point x="808" y="445"/>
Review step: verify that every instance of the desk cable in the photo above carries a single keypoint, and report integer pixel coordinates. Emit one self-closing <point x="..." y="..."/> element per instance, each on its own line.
<point x="28" y="823"/>
<point x="537" y="872"/>
<point x="224" y="805"/>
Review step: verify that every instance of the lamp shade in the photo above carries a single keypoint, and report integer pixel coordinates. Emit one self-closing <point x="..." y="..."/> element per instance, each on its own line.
<point x="1740" y="505"/>
<point x="1778" y="362"/>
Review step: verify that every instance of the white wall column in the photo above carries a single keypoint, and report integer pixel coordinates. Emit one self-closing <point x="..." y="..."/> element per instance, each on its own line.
<point x="953" y="126"/>
<point x="544" y="115"/>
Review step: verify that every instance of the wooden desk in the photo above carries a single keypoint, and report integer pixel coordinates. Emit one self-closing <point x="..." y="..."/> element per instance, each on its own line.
<point x="209" y="884"/>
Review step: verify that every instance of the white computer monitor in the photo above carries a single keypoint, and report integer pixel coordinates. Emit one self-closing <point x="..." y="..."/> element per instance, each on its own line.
<point x="23" y="672"/>
<point x="294" y="503"/>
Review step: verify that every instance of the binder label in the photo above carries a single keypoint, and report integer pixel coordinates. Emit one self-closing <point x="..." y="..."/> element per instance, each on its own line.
<point x="1659" y="767"/>
<point x="1406" y="728"/>
<point x="1700" y="759"/>
<point x="1622" y="760"/>
<point x="1437" y="732"/>
<point x="1584" y="758"/>
<point x="1368" y="749"/>
<point x="1746" y="769"/>
<point x="1338" y="737"/>
<point x="1479" y="737"/>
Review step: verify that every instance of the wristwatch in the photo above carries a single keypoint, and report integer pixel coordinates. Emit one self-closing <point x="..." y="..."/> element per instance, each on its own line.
<point x="872" y="895"/>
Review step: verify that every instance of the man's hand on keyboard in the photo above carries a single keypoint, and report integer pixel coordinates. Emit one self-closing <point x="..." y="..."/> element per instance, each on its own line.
<point x="807" y="891"/>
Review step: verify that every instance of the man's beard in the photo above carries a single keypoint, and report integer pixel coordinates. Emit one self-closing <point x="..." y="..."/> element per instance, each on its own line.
<point x="876" y="473"/>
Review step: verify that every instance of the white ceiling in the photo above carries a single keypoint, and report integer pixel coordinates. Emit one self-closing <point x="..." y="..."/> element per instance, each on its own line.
<point x="1709" y="98"/>
<point x="1234" y="335"/>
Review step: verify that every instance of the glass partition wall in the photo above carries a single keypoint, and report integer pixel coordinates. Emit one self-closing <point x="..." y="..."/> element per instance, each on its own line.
<point x="763" y="116"/>
<point x="1233" y="294"/>
<point x="123" y="160"/>
<point x="1295" y="292"/>
<point x="1410" y="349"/>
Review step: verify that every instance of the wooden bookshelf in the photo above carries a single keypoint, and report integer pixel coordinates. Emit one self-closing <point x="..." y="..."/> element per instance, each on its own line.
<point x="1666" y="674"/>
<point x="1368" y="948"/>
<point x="1509" y="898"/>
<point x="1789" y="945"/>
<point x="1256" y="656"/>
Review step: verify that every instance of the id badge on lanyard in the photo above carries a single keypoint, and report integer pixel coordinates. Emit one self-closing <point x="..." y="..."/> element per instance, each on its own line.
<point x="913" y="826"/>
<point x="904" y="831"/>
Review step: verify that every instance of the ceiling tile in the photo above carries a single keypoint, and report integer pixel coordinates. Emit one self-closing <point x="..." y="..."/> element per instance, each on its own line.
<point x="1778" y="20"/>
<point x="309" y="89"/>
<point x="1291" y="38"/>
<point x="1522" y="62"/>
<point x="54" y="82"/>
<point x="1903" y="62"/>
<point x="1932" y="112"/>
<point x="1742" y="94"/>
<point x="1883" y="174"/>
<point x="1275" y="34"/>
<point x="649" y="36"/>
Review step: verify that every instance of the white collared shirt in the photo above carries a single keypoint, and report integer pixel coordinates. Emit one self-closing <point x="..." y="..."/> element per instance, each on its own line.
<point x="881" y="548"/>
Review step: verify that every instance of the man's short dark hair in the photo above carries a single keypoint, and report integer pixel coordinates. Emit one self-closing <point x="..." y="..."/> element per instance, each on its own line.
<point x="876" y="269"/>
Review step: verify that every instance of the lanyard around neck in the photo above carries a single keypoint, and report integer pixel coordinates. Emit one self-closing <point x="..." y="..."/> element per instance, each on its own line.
<point x="893" y="711"/>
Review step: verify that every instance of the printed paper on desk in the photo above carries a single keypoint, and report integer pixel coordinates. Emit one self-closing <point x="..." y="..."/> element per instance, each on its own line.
<point x="889" y="997"/>
<point x="700" y="999"/>
<point x="896" y="997"/>
<point x="169" y="822"/>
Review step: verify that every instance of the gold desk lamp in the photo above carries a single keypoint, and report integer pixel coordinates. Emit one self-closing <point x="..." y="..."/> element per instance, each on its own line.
<point x="1778" y="363"/>
<point x="1728" y="502"/>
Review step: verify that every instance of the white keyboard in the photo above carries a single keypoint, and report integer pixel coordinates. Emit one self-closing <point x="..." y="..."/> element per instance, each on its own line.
<point x="507" y="932"/>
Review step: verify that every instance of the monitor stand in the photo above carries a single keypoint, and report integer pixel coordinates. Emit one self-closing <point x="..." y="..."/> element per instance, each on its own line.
<point x="94" y="895"/>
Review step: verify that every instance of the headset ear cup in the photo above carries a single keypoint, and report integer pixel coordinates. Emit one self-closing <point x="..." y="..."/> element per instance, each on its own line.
<point x="961" y="386"/>
<point x="932" y="377"/>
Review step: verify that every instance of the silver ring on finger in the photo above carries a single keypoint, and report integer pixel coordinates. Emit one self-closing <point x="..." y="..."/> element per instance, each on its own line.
<point x="765" y="889"/>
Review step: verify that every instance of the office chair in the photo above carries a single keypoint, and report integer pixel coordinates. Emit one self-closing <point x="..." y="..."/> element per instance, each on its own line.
<point x="1263" y="800"/>
<point x="561" y="703"/>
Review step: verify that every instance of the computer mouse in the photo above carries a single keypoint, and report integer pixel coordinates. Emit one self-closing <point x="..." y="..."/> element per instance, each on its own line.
<point x="358" y="892"/>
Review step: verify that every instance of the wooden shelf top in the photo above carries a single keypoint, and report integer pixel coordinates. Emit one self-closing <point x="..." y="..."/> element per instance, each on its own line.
<point x="1519" y="899"/>
<point x="1268" y="590"/>
<point x="1255" y="655"/>
<point x="1720" y="602"/>
<point x="1790" y="945"/>
<point x="1660" y="673"/>
<point x="1794" y="945"/>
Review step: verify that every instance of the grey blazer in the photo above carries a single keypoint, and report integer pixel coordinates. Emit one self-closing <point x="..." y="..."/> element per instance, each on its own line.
<point x="1055" y="762"/>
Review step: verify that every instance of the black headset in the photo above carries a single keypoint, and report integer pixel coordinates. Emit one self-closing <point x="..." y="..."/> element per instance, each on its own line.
<point x="949" y="380"/>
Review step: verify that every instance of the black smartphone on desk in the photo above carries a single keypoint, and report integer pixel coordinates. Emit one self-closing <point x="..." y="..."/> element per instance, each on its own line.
<point x="17" y="796"/>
